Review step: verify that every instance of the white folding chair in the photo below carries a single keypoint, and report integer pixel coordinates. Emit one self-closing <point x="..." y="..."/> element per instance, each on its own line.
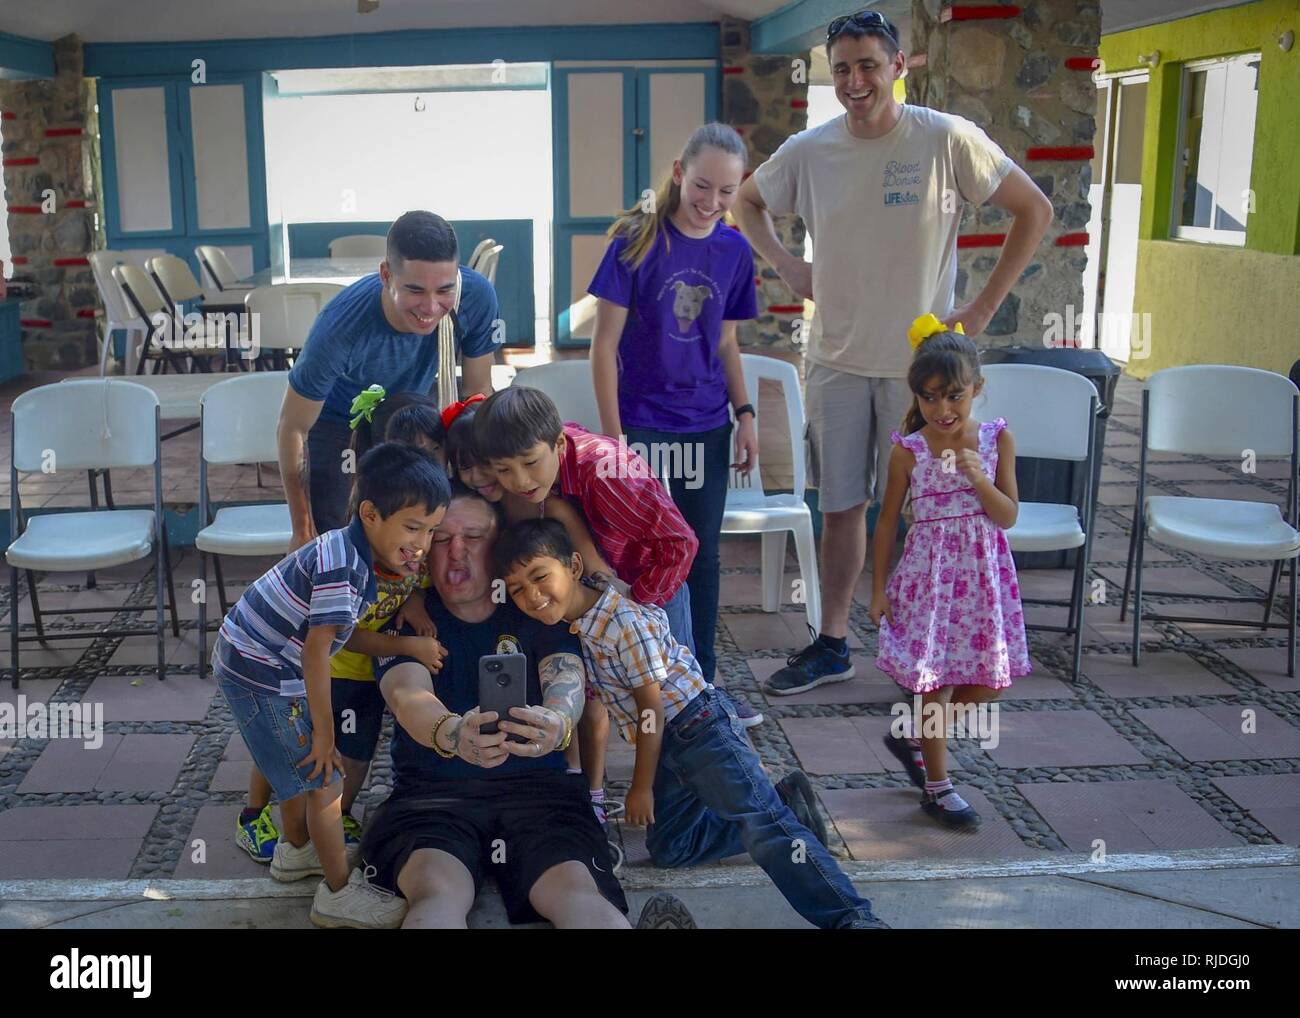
<point x="86" y="424"/>
<point x="285" y="314"/>
<point x="216" y="263"/>
<point x="237" y="424"/>
<point x="178" y="286"/>
<point x="1053" y="415"/>
<point x="481" y="248"/>
<point x="1227" y="412"/>
<point x="152" y="308"/>
<point x="750" y="510"/>
<point x="569" y="385"/>
<point x="117" y="312"/>
<point x="359" y="245"/>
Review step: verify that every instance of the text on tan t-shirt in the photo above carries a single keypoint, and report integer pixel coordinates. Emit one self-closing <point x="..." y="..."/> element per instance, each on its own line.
<point x="884" y="239"/>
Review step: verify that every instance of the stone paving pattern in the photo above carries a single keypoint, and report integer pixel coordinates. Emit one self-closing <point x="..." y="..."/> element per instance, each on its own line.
<point x="1150" y="759"/>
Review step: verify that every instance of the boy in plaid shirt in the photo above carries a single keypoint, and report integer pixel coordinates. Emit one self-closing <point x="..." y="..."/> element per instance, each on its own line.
<point x="697" y="781"/>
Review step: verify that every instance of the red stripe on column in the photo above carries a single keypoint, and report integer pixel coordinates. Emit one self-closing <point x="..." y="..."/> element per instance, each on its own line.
<point x="86" y="313"/>
<point x="20" y="161"/>
<point x="733" y="70"/>
<point x="1083" y="63"/>
<point x="799" y="104"/>
<point x="25" y="210"/>
<point x="19" y="259"/>
<point x="979" y="12"/>
<point x="1043" y="153"/>
<point x="1072" y="240"/>
<point x="981" y="239"/>
<point x="62" y="132"/>
<point x="71" y="261"/>
<point x="77" y="203"/>
<point x="6" y="115"/>
<point x="785" y="309"/>
<point x="35" y="323"/>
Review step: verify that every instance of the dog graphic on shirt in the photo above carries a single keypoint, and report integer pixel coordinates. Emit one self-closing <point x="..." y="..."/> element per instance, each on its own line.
<point x="688" y="302"/>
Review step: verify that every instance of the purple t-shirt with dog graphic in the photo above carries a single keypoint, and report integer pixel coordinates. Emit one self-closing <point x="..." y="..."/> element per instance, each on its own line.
<point x="670" y="375"/>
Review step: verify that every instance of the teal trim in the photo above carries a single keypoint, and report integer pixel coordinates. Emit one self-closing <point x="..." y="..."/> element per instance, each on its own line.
<point x="664" y="41"/>
<point x="108" y="143"/>
<point x="11" y="340"/>
<point x="562" y="280"/>
<point x="514" y="282"/>
<point x="801" y="25"/>
<point x="560" y="140"/>
<point x="22" y="58"/>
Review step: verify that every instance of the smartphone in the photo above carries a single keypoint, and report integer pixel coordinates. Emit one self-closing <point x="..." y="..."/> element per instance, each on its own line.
<point x="502" y="684"/>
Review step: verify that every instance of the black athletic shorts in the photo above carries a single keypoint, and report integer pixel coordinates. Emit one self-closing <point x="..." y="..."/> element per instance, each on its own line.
<point x="513" y="828"/>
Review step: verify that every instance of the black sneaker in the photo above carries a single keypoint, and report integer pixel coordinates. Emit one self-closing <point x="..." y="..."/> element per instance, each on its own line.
<point x="665" y="912"/>
<point x="903" y="751"/>
<point x="815" y="665"/>
<point x="796" y="791"/>
<point x="959" y="819"/>
<point x="873" y="923"/>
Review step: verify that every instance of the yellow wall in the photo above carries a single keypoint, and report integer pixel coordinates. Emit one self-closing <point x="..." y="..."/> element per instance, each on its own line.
<point x="1216" y="305"/>
<point x="1212" y="303"/>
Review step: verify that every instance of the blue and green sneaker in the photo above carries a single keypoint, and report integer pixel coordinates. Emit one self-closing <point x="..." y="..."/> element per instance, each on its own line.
<point x="257" y="836"/>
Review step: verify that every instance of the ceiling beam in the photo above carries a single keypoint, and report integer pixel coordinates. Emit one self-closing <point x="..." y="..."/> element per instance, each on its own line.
<point x="801" y="25"/>
<point x="25" y="58"/>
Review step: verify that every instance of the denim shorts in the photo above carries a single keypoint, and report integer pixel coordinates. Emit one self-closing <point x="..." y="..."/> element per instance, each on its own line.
<point x="277" y="732"/>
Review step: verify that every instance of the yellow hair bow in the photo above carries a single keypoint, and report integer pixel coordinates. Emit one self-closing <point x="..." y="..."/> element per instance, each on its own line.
<point x="926" y="326"/>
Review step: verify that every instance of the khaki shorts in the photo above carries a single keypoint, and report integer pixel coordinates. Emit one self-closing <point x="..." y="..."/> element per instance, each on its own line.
<point x="849" y="421"/>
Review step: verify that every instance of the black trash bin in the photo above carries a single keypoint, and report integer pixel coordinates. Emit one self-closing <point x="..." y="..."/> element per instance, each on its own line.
<point x="1060" y="481"/>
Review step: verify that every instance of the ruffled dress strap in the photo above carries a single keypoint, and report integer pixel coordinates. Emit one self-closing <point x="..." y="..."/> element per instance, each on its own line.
<point x="915" y="443"/>
<point x="989" y="432"/>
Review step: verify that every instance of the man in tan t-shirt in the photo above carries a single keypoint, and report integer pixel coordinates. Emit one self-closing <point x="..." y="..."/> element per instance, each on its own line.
<point x="881" y="191"/>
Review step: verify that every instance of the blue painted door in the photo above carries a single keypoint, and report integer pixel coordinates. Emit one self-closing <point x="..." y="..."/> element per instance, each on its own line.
<point x="616" y="131"/>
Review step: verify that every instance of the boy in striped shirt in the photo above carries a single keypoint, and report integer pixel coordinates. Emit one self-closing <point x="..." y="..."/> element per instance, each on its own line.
<point x="697" y="781"/>
<point x="272" y="659"/>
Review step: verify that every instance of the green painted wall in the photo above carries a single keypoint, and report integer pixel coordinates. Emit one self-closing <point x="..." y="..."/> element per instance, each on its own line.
<point x="1214" y="304"/>
<point x="1275" y="175"/>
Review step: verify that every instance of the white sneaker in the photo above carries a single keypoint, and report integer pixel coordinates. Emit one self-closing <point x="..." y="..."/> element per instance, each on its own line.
<point x="359" y="906"/>
<point x="289" y="863"/>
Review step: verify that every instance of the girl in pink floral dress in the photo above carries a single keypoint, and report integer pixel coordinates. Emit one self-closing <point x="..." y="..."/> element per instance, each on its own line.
<point x="951" y="625"/>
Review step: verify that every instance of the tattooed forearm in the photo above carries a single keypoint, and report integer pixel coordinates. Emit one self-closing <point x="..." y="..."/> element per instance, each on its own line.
<point x="304" y="468"/>
<point x="562" y="677"/>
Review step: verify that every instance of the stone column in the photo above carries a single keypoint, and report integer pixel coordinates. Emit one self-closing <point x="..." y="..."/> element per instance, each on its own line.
<point x="765" y="98"/>
<point x="1025" y="77"/>
<point x="49" y="185"/>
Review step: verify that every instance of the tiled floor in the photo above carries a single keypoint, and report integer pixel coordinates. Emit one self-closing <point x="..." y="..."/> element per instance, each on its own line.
<point x="1197" y="748"/>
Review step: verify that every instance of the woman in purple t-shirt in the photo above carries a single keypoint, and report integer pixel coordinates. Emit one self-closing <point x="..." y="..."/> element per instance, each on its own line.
<point x="674" y="282"/>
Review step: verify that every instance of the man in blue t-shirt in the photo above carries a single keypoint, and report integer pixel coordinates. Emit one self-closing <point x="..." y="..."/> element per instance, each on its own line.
<point x="380" y="330"/>
<point x="466" y="804"/>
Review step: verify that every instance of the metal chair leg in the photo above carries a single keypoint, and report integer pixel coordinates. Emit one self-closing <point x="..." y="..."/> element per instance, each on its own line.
<point x="36" y="606"/>
<point x="203" y="614"/>
<point x="1290" y="636"/>
<point x="13" y="623"/>
<point x="1137" y="596"/>
<point x="1272" y="590"/>
<point x="221" y="586"/>
<point x="1128" y="569"/>
<point x="171" y="586"/>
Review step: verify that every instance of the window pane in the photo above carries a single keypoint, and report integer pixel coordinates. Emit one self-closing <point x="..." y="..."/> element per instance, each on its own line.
<point x="1129" y="133"/>
<point x="1195" y="205"/>
<point x="1231" y="195"/>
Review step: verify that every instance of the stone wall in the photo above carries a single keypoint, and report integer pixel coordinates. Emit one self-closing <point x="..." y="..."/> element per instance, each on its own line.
<point x="48" y="129"/>
<point x="765" y="97"/>
<point x="1027" y="81"/>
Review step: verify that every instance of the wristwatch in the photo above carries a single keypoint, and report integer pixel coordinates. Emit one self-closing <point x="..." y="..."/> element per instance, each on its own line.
<point x="748" y="408"/>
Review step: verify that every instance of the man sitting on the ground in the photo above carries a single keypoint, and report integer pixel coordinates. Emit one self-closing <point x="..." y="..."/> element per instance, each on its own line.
<point x="466" y="804"/>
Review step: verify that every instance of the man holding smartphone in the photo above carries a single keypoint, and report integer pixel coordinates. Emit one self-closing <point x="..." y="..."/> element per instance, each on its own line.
<point x="466" y="804"/>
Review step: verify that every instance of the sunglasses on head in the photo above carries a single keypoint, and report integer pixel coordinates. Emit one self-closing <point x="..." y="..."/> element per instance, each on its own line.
<point x="868" y="19"/>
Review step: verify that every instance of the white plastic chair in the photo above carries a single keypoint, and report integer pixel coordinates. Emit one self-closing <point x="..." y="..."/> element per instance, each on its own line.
<point x="118" y="313"/>
<point x="285" y="314"/>
<point x="174" y="279"/>
<point x="487" y="266"/>
<point x="237" y="424"/>
<point x="569" y="385"/>
<point x="86" y="424"/>
<point x="1226" y="412"/>
<point x="1052" y="414"/>
<point x="359" y="245"/>
<point x="216" y="263"/>
<point x="481" y="248"/>
<point x="750" y="510"/>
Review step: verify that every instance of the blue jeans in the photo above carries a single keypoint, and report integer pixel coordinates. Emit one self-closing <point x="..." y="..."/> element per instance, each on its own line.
<point x="678" y="610"/>
<point x="701" y="500"/>
<point x="713" y="799"/>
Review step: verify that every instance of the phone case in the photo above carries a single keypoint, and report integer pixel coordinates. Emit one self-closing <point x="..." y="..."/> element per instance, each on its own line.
<point x="502" y="684"/>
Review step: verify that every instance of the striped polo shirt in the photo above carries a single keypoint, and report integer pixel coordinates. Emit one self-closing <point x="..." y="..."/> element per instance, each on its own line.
<point x="326" y="582"/>
<point x="626" y="645"/>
